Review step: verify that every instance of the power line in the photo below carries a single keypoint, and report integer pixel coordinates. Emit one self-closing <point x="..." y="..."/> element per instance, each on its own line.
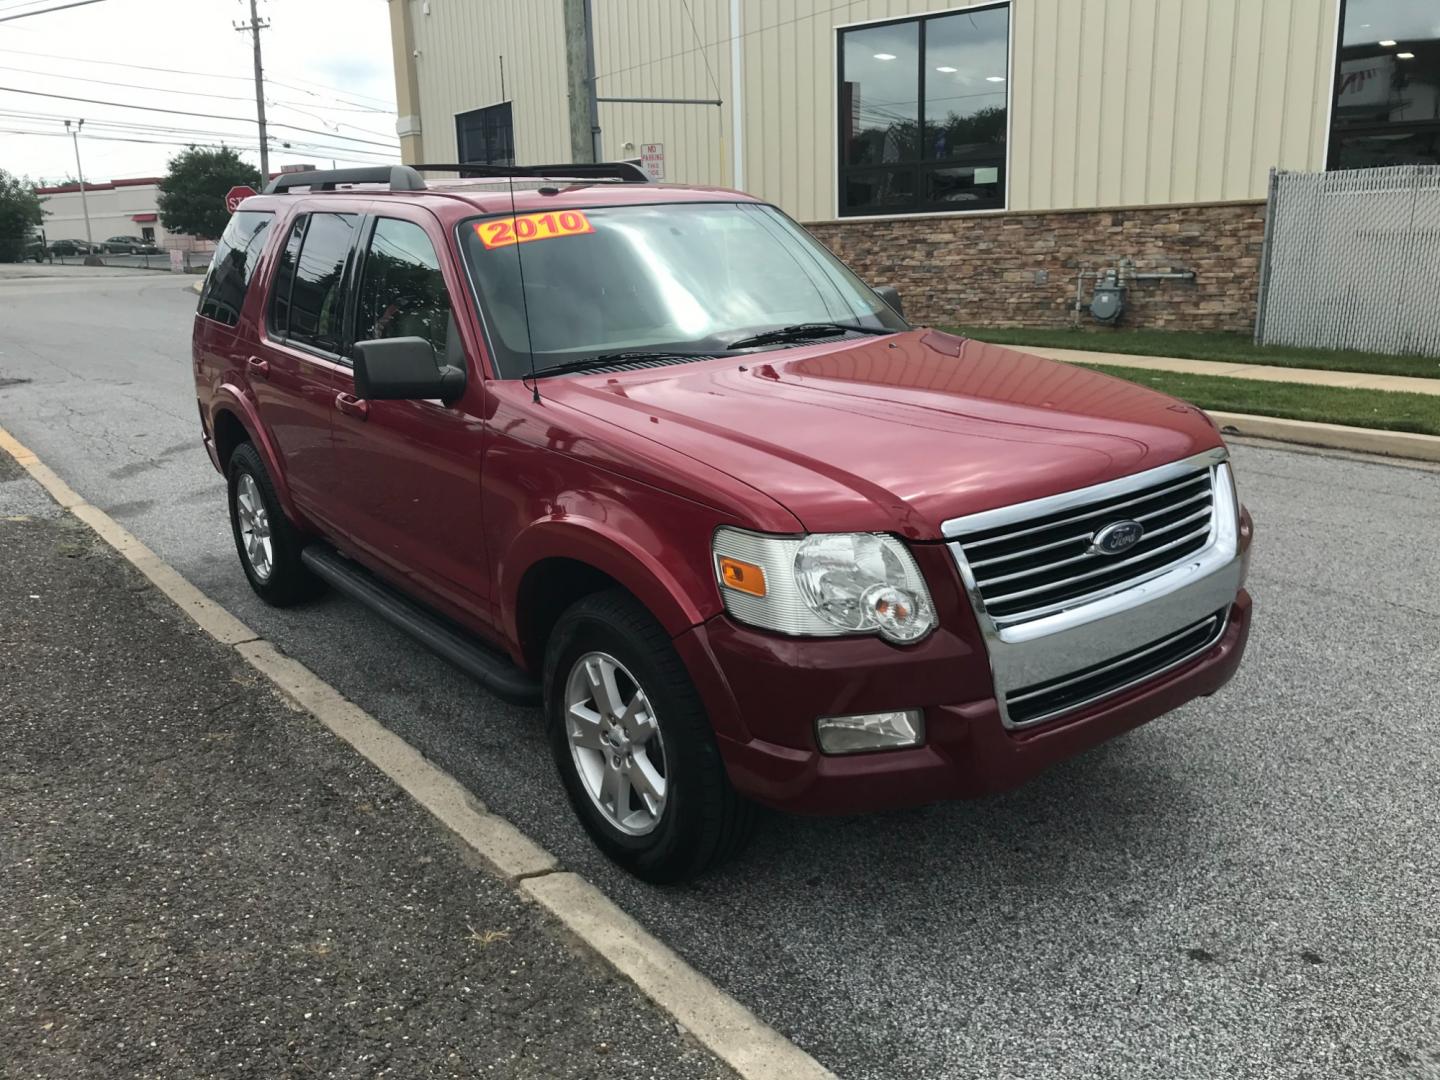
<point x="278" y="103"/>
<point x="47" y="11"/>
<point x="726" y="40"/>
<point x="186" y="136"/>
<point x="188" y="112"/>
<point x="340" y="153"/>
<point x="206" y="75"/>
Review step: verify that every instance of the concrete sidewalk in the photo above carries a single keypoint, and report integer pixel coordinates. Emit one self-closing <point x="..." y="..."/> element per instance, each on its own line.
<point x="197" y="880"/>
<point x="1345" y="380"/>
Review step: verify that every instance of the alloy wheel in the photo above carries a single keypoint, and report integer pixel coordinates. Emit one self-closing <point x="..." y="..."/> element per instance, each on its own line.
<point x="254" y="523"/>
<point x="616" y="743"/>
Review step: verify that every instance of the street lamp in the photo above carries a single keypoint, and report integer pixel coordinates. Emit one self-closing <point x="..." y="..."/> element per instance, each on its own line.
<point x="84" y="202"/>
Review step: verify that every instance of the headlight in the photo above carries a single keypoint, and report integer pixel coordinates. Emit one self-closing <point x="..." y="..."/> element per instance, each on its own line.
<point x="824" y="585"/>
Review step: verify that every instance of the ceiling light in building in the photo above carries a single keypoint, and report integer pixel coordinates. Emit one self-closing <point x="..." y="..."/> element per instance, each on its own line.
<point x="994" y="78"/>
<point x="947" y="70"/>
<point x="884" y="56"/>
<point x="1404" y="56"/>
<point x="1387" y="44"/>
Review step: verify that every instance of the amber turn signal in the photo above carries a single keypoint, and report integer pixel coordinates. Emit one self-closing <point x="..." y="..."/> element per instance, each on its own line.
<point x="742" y="576"/>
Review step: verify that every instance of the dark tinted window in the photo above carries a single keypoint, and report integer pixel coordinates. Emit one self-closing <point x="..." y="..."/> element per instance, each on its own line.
<point x="486" y="136"/>
<point x="309" y="302"/>
<point x="233" y="265"/>
<point x="1387" y="89"/>
<point x="923" y="110"/>
<point x="402" y="291"/>
<point x="285" y="278"/>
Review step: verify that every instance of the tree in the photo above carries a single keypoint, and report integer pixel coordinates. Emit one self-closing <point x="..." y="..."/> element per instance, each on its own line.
<point x="192" y="195"/>
<point x="20" y="216"/>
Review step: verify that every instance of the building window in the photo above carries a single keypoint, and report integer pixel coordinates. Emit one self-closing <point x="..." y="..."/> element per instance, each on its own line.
<point x="486" y="136"/>
<point x="923" y="108"/>
<point x="1387" y="85"/>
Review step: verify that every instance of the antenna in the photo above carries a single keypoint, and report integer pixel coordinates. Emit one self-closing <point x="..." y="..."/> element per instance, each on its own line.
<point x="524" y="297"/>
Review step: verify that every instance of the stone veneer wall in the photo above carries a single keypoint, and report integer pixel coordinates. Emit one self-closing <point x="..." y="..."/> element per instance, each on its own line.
<point x="1019" y="269"/>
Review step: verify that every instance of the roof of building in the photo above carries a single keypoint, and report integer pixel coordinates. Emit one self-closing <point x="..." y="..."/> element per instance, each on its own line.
<point x="91" y="185"/>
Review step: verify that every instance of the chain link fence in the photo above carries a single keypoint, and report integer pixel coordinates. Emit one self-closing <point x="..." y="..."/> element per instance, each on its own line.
<point x="1352" y="261"/>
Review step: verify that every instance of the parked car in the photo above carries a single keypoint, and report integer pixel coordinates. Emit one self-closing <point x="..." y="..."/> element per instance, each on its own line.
<point x="68" y="248"/>
<point x="652" y="456"/>
<point x="130" y="245"/>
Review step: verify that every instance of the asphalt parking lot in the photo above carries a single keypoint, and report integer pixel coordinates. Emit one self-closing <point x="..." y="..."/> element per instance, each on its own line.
<point x="1246" y="888"/>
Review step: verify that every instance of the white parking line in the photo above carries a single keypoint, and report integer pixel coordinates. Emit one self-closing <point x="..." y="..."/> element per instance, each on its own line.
<point x="716" y="1020"/>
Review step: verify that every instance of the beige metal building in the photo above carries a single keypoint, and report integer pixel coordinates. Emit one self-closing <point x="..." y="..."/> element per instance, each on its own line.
<point x="988" y="158"/>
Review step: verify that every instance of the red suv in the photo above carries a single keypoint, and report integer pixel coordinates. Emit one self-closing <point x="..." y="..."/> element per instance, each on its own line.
<point x="652" y="455"/>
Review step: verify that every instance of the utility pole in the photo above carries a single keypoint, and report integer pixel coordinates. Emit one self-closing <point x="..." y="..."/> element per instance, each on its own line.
<point x="253" y="27"/>
<point x="584" y="113"/>
<point x="80" y="173"/>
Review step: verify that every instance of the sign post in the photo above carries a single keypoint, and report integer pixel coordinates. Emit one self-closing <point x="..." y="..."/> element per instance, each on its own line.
<point x="652" y="160"/>
<point x="238" y="194"/>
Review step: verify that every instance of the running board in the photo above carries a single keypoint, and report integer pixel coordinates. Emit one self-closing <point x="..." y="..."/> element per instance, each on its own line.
<point x="487" y="666"/>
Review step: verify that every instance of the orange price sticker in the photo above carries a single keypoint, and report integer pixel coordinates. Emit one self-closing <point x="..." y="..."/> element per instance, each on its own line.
<point x="504" y="232"/>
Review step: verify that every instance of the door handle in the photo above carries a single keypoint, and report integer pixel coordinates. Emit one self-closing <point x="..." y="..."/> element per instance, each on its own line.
<point x="350" y="405"/>
<point x="258" y="367"/>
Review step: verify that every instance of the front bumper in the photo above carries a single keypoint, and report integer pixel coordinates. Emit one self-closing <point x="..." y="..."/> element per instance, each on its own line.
<point x="764" y="692"/>
<point x="969" y="752"/>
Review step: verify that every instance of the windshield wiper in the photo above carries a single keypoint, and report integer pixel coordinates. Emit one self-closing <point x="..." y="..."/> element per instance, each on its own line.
<point x="801" y="331"/>
<point x="610" y="359"/>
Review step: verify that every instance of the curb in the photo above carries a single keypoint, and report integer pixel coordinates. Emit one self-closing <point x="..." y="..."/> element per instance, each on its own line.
<point x="720" y="1023"/>
<point x="1397" y="444"/>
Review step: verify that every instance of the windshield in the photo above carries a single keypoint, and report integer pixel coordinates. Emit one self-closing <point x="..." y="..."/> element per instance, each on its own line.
<point x="672" y="277"/>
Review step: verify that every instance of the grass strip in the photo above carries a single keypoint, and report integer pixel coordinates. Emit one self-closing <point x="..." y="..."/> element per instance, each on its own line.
<point x="1221" y="348"/>
<point x="1389" y="411"/>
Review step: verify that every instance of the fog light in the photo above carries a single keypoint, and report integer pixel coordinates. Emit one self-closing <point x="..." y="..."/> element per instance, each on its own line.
<point x="870" y="731"/>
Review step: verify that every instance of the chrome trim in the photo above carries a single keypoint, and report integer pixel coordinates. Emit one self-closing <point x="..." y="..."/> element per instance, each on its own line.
<point x="1102" y="568"/>
<point x="1085" y="631"/>
<point x="1050" y="504"/>
<point x="1209" y="643"/>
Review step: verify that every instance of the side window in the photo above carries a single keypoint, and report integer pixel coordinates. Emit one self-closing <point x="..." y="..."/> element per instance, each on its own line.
<point x="402" y="291"/>
<point x="309" y="302"/>
<point x="285" y="278"/>
<point x="233" y="265"/>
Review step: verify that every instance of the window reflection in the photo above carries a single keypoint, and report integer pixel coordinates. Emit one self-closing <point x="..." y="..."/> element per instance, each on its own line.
<point x="1387" y="89"/>
<point x="923" y="113"/>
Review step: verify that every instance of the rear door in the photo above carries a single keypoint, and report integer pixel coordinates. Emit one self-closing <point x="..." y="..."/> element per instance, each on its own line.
<point x="297" y="371"/>
<point x="409" y="489"/>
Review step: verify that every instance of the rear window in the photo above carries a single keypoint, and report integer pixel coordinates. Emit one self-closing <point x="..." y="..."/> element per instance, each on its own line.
<point x="233" y="266"/>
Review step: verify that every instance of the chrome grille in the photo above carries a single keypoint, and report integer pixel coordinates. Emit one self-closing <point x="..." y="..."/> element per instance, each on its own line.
<point x="1031" y="567"/>
<point x="1032" y="704"/>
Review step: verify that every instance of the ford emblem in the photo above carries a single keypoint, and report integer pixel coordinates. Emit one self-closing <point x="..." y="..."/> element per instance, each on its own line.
<point x="1116" y="537"/>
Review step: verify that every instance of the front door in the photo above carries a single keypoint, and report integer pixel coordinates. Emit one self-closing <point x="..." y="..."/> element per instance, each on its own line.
<point x="297" y="372"/>
<point x="409" y="493"/>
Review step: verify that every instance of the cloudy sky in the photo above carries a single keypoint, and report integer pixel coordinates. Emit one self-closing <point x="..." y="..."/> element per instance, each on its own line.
<point x="329" y="85"/>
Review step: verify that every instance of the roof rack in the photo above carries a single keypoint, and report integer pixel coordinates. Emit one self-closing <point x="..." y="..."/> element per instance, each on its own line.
<point x="626" y="171"/>
<point x="408" y="178"/>
<point x="398" y="177"/>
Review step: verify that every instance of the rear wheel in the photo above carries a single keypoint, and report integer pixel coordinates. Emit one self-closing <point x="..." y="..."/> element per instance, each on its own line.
<point x="266" y="541"/>
<point x="633" y="745"/>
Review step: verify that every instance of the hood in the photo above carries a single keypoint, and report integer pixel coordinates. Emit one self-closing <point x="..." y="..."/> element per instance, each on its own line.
<point x="897" y="434"/>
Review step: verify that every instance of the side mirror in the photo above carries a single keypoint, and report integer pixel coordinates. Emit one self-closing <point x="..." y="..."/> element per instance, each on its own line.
<point x="891" y="296"/>
<point x="391" y="369"/>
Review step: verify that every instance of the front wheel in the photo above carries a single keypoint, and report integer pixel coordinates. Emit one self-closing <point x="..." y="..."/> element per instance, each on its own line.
<point x="633" y="745"/>
<point x="267" y="543"/>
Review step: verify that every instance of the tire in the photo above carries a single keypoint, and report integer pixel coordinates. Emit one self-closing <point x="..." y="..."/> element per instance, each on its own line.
<point x="702" y="821"/>
<point x="271" y="559"/>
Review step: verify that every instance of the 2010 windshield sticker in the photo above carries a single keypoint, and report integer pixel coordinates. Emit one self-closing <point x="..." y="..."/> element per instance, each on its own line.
<point x="505" y="232"/>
